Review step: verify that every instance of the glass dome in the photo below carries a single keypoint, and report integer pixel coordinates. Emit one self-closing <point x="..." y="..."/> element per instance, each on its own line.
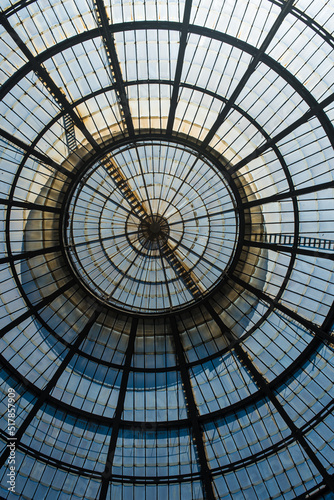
<point x="167" y="209"/>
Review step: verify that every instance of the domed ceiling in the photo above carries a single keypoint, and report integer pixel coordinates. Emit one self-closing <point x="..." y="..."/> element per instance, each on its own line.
<point x="167" y="255"/>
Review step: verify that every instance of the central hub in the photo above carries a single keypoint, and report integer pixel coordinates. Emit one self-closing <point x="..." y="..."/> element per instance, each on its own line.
<point x="153" y="231"/>
<point x="153" y="238"/>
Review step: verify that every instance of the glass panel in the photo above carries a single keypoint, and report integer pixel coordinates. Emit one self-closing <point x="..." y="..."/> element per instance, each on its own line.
<point x="166" y="178"/>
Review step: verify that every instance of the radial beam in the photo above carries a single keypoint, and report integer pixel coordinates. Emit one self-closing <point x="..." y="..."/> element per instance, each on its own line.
<point x="249" y="71"/>
<point x="114" y="65"/>
<point x="181" y="270"/>
<point x="315" y="108"/>
<point x="52" y="382"/>
<point x="29" y="205"/>
<point x="313" y="111"/>
<point x="47" y="81"/>
<point x="293" y="193"/>
<point x="324" y="335"/>
<point x="311" y="23"/>
<point x="277" y="247"/>
<point x="263" y="385"/>
<point x="122" y="184"/>
<point x="192" y="412"/>
<point x="179" y="66"/>
<point x="29" y="254"/>
<point x="140" y="212"/>
<point x="35" y="308"/>
<point x="295" y="431"/>
<point x="107" y="473"/>
<point x="35" y="153"/>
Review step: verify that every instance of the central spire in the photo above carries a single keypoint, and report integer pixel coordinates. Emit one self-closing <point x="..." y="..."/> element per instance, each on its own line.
<point x="153" y="231"/>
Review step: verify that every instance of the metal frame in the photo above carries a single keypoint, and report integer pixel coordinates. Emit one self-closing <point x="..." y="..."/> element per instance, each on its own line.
<point x="107" y="474"/>
<point x="193" y="415"/>
<point x="321" y="333"/>
<point x="52" y="382"/>
<point x="115" y="70"/>
<point x="179" y="65"/>
<point x="251" y="68"/>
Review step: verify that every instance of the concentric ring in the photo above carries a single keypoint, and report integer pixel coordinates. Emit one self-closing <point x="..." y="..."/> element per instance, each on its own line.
<point x="151" y="240"/>
<point x="159" y="349"/>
